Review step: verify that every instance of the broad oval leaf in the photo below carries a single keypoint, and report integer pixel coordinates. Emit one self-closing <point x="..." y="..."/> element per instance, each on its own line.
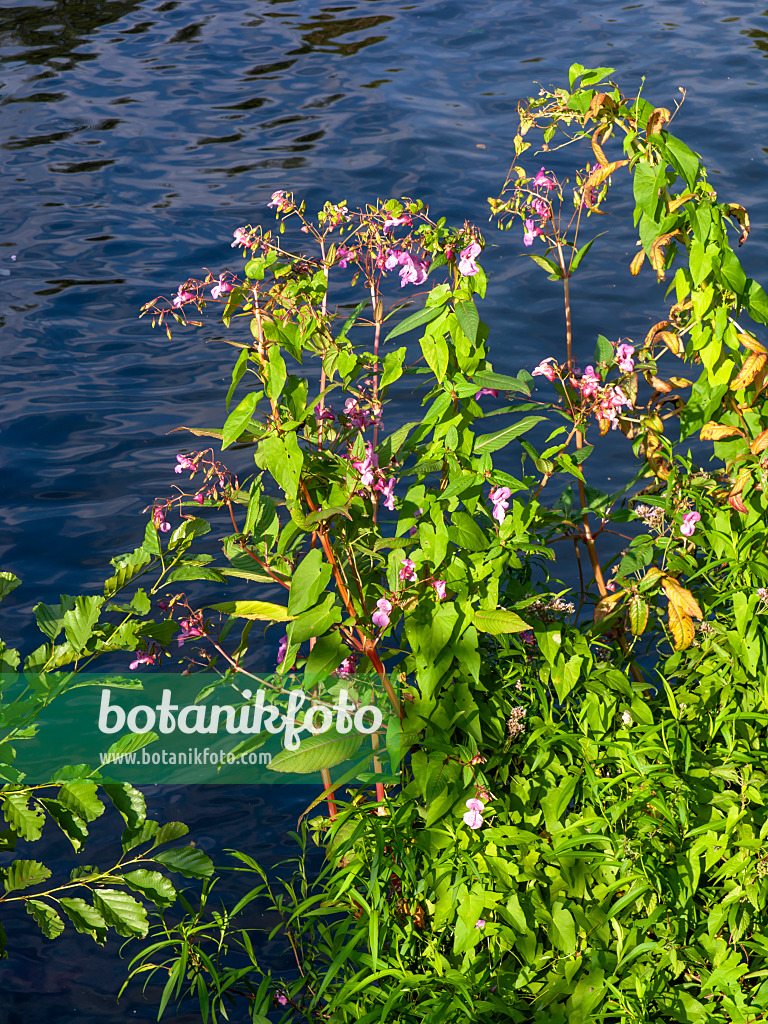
<point x="497" y="621"/>
<point x="713" y="431"/>
<point x="49" y="921"/>
<point x="188" y="861"/>
<point x="122" y="912"/>
<point x="262" y="610"/>
<point x="317" y="752"/>
<point x="681" y="627"/>
<point x="23" y="874"/>
<point x="753" y="364"/>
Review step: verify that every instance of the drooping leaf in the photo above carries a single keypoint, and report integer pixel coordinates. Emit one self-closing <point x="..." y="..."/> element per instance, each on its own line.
<point x="46" y="917"/>
<point x="8" y="583"/>
<point x="187" y="861"/>
<point x="469" y="321"/>
<point x="80" y="620"/>
<point x="86" y="919"/>
<point x="70" y="823"/>
<point x="419" y="319"/>
<point x="126" y="799"/>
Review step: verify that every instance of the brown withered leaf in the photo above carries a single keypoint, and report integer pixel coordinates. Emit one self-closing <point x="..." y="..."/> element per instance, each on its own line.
<point x="680" y="307"/>
<point x="658" y="118"/>
<point x="599" y="175"/>
<point x="741" y="217"/>
<point x="680" y="382"/>
<point x="658" y="253"/>
<point x="681" y="627"/>
<point x="713" y="431"/>
<point x="754" y="362"/>
<point x="597" y="149"/>
<point x="605" y="426"/>
<point x="734" y="500"/>
<point x="673" y="343"/>
<point x="681" y="597"/>
<point x="655" y="330"/>
<point x="604" y="607"/>
<point x="637" y="262"/>
<point x="660" y="385"/>
<point x="752" y="343"/>
<point x="760" y="443"/>
<point x="677" y="202"/>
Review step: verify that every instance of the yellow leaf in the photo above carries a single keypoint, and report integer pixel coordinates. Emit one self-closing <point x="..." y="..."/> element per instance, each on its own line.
<point x="637" y="262"/>
<point x="597" y="150"/>
<point x="652" y="574"/>
<point x="741" y="217"/>
<point x="760" y="443"/>
<point x="717" y="431"/>
<point x="679" y="382"/>
<point x="657" y="253"/>
<point x="751" y="343"/>
<point x="753" y="364"/>
<point x="673" y="343"/>
<point x="681" y="597"/>
<point x="638" y="614"/>
<point x="655" y="330"/>
<point x="678" y="201"/>
<point x="681" y="628"/>
<point x="599" y="175"/>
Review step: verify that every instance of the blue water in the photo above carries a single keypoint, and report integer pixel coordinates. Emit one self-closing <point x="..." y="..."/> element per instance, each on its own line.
<point x="137" y="136"/>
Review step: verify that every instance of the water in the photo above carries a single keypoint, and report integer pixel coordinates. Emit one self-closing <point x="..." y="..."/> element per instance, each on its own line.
<point x="137" y="136"/>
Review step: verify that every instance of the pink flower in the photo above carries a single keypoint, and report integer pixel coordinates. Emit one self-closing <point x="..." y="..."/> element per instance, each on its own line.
<point x="408" y="572"/>
<point x="182" y="296"/>
<point x="183" y="463"/>
<point x="414" y="271"/>
<point x="142" y="659"/>
<point x="189" y="630"/>
<point x="439" y="587"/>
<point x="222" y="288"/>
<point x="499" y="497"/>
<point x="589" y="383"/>
<point x="541" y="206"/>
<point x="282" y="650"/>
<point x="689" y="523"/>
<point x="625" y="355"/>
<point x="493" y="392"/>
<point x="542" y="181"/>
<point x="281" y="201"/>
<point x="360" y="418"/>
<point x="348" y="667"/>
<point x="241" y="237"/>
<point x="474" y="818"/>
<point x="199" y="498"/>
<point x="326" y="413"/>
<point x="381" y="617"/>
<point x="414" y="529"/>
<point x="545" y="370"/>
<point x="343" y="256"/>
<point x="467" y="265"/>
<point x="611" y="586"/>
<point x="158" y="518"/>
<point x="395" y="258"/>
<point x="530" y="233"/>
<point x="611" y="400"/>
<point x="281" y="998"/>
<point x="448" y="253"/>
<point x="396" y="222"/>
<point x="387" y="492"/>
<point x="367" y="467"/>
<point x="480" y="923"/>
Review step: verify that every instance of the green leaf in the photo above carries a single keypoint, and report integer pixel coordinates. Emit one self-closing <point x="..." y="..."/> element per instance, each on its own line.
<point x="603" y="350"/>
<point x="487" y="443"/>
<point x="188" y="861"/>
<point x="126" y="799"/>
<point x="70" y="823"/>
<point x="466" y="534"/>
<point x="549" y="265"/>
<point x="82" y="798"/>
<point x="646" y="184"/>
<point x="122" y="912"/>
<point x="237" y="374"/>
<point x="80" y="620"/>
<point x="283" y="458"/>
<point x="757" y="302"/>
<point x="584" y="250"/>
<point x="424" y="316"/>
<point x="50" y="619"/>
<point x="190" y="529"/>
<point x="468" y="318"/>
<point x="276" y="374"/>
<point x="23" y="874"/>
<point x="352" y="319"/>
<point x="254" y="269"/>
<point x="86" y="919"/>
<point x="153" y="885"/>
<point x="327" y="654"/>
<point x="190" y="571"/>
<point x="317" y="752"/>
<point x="315" y="621"/>
<point x="309" y="580"/>
<point x="498" y="621"/>
<point x="126" y="568"/>
<point x="24" y="821"/>
<point x="169" y="832"/>
<point x="253" y="610"/>
<point x="238" y="419"/>
<point x="393" y="367"/>
<point x="499" y="381"/>
<point x="8" y="583"/>
<point x="48" y="920"/>
<point x="683" y="159"/>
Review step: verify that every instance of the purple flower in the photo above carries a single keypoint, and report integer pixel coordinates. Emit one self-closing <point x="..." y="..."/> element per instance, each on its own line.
<point x="367" y="467"/>
<point x="530" y="233"/>
<point x="542" y="181"/>
<point x="241" y="237"/>
<point x="142" y="659"/>
<point x="381" y="617"/>
<point x="199" y="498"/>
<point x="326" y="413"/>
<point x="343" y="256"/>
<point x="439" y="586"/>
<point x="414" y="271"/>
<point x="184" y="463"/>
<point x="408" y="572"/>
<point x="189" y="631"/>
<point x="396" y="222"/>
<point x="689" y="523"/>
<point x="182" y="296"/>
<point x="387" y="492"/>
<point x="348" y="667"/>
<point x="625" y="355"/>
<point x="158" y="518"/>
<point x="541" y="207"/>
<point x="282" y="650"/>
<point x="163" y="606"/>
<point x="499" y="497"/>
<point x="281" y="201"/>
<point x="474" y="818"/>
<point x="480" y="923"/>
<point x="221" y="288"/>
<point x="467" y="265"/>
<point x="487" y="391"/>
<point x="360" y="418"/>
<point x="281" y="998"/>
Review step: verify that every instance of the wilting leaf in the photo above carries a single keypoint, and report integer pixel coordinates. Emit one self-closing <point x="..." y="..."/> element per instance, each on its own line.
<point x="637" y="262"/>
<point x="713" y="431"/>
<point x="683" y="599"/>
<point x="753" y="364"/>
<point x="659" y="117"/>
<point x="673" y="343"/>
<point x="597" y="149"/>
<point x="751" y="343"/>
<point x="657" y="254"/>
<point x="741" y="217"/>
<point x="681" y="627"/>
<point x="760" y="443"/>
<point x="599" y="175"/>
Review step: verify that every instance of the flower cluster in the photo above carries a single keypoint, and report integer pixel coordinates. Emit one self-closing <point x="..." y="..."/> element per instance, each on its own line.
<point x="191" y="628"/>
<point x="358" y="416"/>
<point x="373" y="479"/>
<point x="413" y="270"/>
<point x="515" y="723"/>
<point x="652" y="517"/>
<point x="282" y="202"/>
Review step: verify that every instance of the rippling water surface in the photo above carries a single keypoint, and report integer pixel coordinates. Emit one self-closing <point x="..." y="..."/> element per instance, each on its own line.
<point x="137" y="136"/>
